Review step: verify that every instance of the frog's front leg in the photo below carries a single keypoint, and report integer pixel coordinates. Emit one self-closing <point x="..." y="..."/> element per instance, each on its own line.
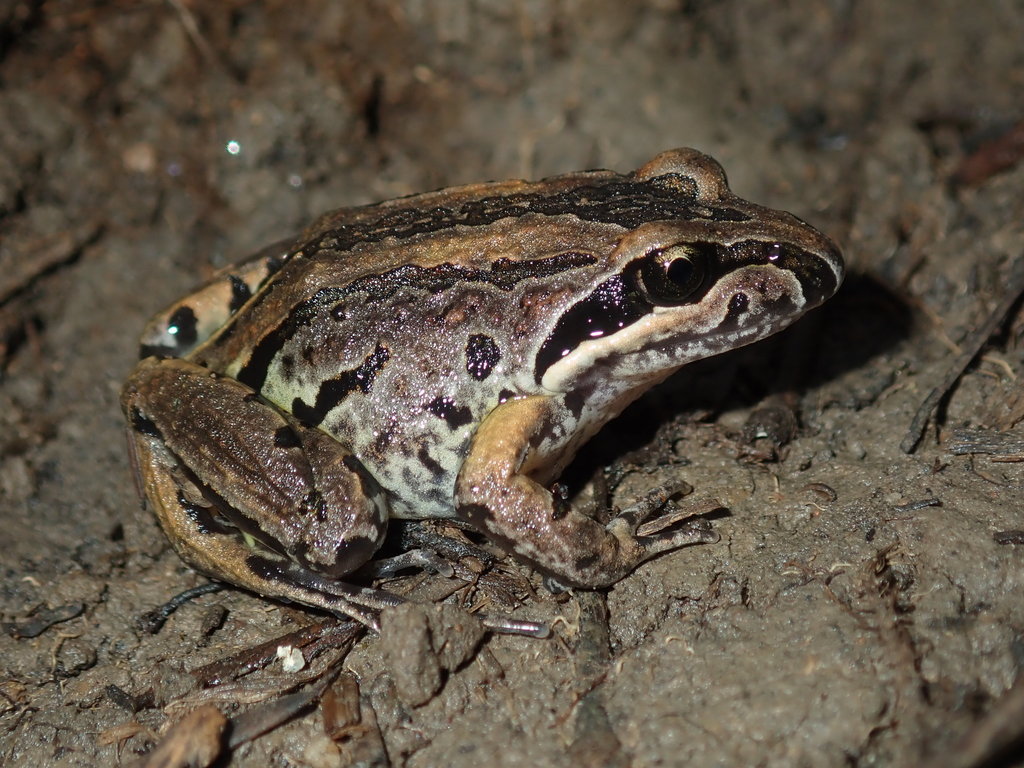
<point x="247" y="494"/>
<point x="496" y="494"/>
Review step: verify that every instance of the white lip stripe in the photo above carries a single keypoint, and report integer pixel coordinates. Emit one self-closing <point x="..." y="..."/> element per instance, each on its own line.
<point x="648" y="343"/>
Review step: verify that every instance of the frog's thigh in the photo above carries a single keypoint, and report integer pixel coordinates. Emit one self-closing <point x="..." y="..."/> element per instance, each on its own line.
<point x="181" y="327"/>
<point x="216" y="462"/>
<point x="201" y="542"/>
<point x="523" y="517"/>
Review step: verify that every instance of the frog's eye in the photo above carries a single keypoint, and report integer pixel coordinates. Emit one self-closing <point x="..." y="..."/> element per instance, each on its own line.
<point x="673" y="275"/>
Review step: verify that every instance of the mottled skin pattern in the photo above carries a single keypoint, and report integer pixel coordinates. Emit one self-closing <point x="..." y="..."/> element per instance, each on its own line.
<point x="445" y="355"/>
<point x="410" y="419"/>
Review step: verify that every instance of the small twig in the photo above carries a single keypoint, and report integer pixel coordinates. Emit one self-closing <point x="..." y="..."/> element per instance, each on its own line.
<point x="266" y="717"/>
<point x="913" y="506"/>
<point x="154" y="620"/>
<point x="992" y="157"/>
<point x="188" y="21"/>
<point x="988" y="441"/>
<point x="972" y="346"/>
<point x="326" y="634"/>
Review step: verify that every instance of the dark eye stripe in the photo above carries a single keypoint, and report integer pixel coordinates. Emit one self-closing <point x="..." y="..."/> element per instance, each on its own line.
<point x="617" y="303"/>
<point x="610" y="308"/>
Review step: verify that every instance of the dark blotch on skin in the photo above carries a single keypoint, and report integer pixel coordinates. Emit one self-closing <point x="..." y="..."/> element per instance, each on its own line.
<point x="286" y="437"/>
<point x="445" y="408"/>
<point x="738" y="303"/>
<point x="240" y="293"/>
<point x="482" y="354"/>
<point x="288" y="367"/>
<point x="184" y="319"/>
<point x="313" y="502"/>
<point x="737" y="308"/>
<point x="428" y="461"/>
<point x="536" y="438"/>
<point x="333" y="391"/>
<point x="368" y="486"/>
<point x="266" y="569"/>
<point x="383" y="439"/>
<point x="275" y="262"/>
<point x="202" y="517"/>
<point x="476" y="515"/>
<point x="574" y="401"/>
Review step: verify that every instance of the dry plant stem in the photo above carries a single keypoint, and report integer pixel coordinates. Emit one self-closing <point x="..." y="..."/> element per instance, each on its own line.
<point x="1005" y="446"/>
<point x="972" y="347"/>
<point x="329" y="633"/>
<point x="265" y="717"/>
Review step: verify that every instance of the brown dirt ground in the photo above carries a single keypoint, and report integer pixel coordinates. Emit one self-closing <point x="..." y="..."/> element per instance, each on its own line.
<point x="882" y="627"/>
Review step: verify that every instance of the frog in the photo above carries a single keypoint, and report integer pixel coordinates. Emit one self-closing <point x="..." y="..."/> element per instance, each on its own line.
<point x="443" y="356"/>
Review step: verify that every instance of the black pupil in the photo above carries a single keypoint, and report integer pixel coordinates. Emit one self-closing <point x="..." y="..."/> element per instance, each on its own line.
<point x="680" y="272"/>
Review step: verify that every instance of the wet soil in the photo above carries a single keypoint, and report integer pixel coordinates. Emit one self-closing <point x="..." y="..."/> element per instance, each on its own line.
<point x="864" y="605"/>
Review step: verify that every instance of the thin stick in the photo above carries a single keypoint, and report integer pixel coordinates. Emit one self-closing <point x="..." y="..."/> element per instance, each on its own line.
<point x="972" y="346"/>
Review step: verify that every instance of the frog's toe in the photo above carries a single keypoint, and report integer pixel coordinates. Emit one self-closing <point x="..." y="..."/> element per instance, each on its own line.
<point x="658" y="499"/>
<point x="696" y="530"/>
<point x="421" y="559"/>
<point x="660" y="524"/>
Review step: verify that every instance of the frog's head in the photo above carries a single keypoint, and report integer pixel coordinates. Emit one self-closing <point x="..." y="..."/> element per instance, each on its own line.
<point x="681" y="289"/>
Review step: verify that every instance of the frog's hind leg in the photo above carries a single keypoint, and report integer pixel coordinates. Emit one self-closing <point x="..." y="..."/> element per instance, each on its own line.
<point x="248" y="495"/>
<point x="187" y="323"/>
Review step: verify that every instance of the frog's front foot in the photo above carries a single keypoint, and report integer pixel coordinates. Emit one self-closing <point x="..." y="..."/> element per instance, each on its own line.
<point x="652" y="525"/>
<point x="497" y="494"/>
<point x="675" y="526"/>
